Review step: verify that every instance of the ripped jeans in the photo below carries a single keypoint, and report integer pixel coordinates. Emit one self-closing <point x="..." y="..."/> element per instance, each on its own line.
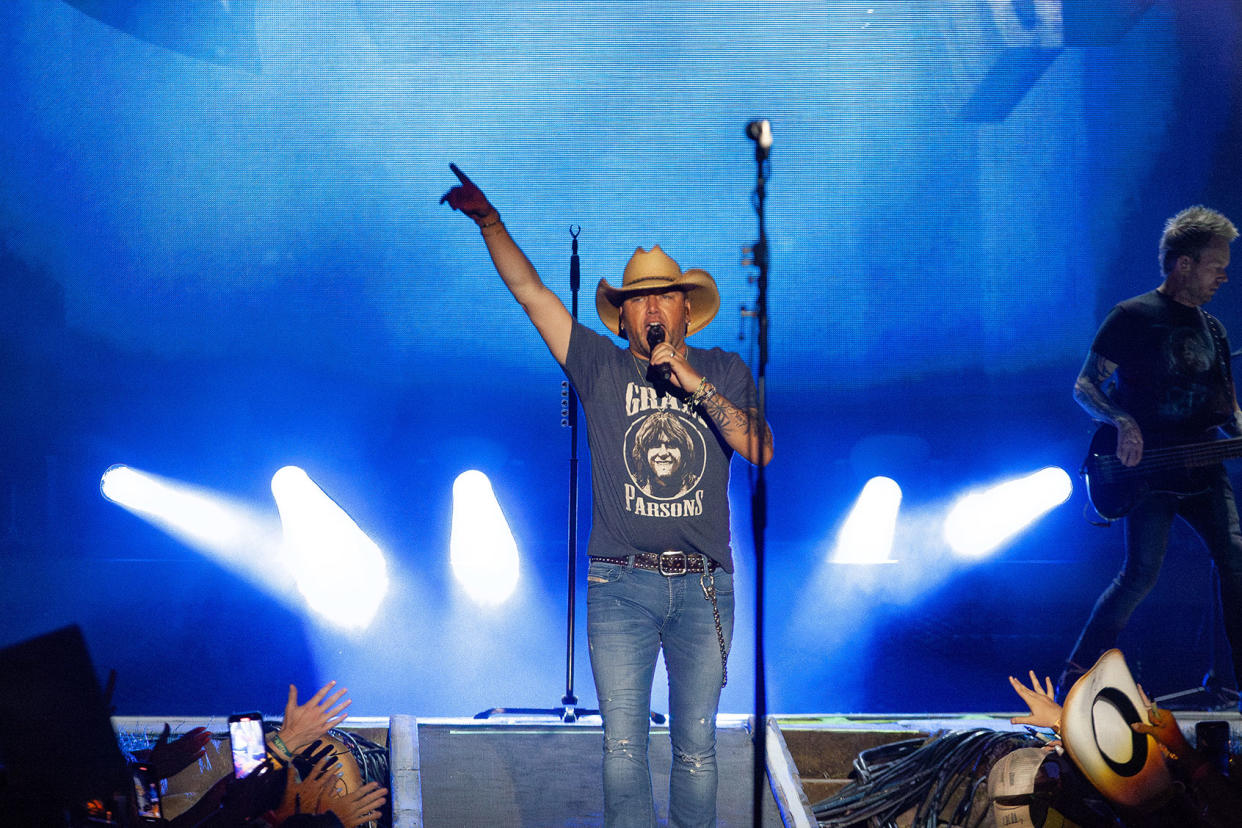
<point x="631" y="614"/>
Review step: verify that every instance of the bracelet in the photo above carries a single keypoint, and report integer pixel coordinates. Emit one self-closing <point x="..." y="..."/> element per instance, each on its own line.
<point x="492" y="222"/>
<point x="703" y="393"/>
<point x="280" y="744"/>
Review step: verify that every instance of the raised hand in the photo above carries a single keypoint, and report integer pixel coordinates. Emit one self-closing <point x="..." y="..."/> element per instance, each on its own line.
<point x="359" y="806"/>
<point x="305" y="723"/>
<point x="1161" y="726"/>
<point x="468" y="198"/>
<point x="307" y="794"/>
<point x="170" y="758"/>
<point x="1045" y="712"/>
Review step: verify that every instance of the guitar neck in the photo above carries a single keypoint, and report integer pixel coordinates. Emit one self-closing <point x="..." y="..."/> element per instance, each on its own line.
<point x="1193" y="454"/>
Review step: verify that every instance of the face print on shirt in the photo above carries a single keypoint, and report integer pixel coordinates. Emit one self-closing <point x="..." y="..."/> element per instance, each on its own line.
<point x="1189" y="355"/>
<point x="664" y="455"/>
<point x="1189" y="352"/>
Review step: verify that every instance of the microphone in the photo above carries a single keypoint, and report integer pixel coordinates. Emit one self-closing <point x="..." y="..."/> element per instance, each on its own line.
<point x="761" y="133"/>
<point x="655" y="335"/>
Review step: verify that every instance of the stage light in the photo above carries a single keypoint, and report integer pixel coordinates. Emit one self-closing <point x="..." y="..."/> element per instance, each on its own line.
<point x="196" y="516"/>
<point x="339" y="570"/>
<point x="482" y="549"/>
<point x="980" y="522"/>
<point x="866" y="537"/>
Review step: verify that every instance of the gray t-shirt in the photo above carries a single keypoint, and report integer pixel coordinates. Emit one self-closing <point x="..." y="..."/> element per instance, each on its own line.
<point x="659" y="469"/>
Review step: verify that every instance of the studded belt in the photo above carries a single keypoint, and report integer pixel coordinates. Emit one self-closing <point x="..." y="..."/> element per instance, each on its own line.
<point x="672" y="562"/>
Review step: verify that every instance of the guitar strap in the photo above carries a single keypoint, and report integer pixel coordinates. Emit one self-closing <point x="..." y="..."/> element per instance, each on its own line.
<point x="1222" y="348"/>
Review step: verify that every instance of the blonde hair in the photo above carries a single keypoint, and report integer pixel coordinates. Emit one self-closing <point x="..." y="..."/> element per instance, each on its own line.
<point x="1190" y="231"/>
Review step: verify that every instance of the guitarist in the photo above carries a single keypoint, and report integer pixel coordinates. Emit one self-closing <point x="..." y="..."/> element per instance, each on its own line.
<point x="1172" y="385"/>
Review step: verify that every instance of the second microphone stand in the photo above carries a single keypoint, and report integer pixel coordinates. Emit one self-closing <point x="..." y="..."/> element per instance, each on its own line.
<point x="568" y="711"/>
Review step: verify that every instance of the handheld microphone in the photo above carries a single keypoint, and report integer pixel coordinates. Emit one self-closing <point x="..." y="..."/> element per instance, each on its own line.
<point x="655" y="335"/>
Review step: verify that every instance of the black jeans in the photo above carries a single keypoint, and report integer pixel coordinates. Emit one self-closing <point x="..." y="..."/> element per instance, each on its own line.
<point x="1213" y="515"/>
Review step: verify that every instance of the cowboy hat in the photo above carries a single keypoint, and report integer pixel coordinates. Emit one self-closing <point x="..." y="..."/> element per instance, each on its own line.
<point x="1125" y="766"/>
<point x="653" y="270"/>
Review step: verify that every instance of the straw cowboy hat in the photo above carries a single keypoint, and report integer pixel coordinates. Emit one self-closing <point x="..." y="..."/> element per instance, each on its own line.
<point x="653" y="270"/>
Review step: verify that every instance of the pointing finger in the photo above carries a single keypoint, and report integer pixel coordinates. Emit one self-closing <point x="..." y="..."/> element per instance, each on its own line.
<point x="461" y="176"/>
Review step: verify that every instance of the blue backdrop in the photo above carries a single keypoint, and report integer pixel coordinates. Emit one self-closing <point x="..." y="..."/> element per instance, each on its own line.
<point x="223" y="253"/>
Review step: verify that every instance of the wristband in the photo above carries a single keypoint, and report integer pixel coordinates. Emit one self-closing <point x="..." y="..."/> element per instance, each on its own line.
<point x="279" y="743"/>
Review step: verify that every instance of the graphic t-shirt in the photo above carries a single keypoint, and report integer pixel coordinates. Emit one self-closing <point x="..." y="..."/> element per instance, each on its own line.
<point x="1173" y="373"/>
<point x="659" y="469"/>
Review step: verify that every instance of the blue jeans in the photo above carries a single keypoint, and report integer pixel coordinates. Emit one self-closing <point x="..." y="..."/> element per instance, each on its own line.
<point x="631" y="614"/>
<point x="1213" y="515"/>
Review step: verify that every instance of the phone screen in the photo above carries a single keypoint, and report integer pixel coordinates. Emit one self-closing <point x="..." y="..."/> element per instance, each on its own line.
<point x="146" y="796"/>
<point x="246" y="739"/>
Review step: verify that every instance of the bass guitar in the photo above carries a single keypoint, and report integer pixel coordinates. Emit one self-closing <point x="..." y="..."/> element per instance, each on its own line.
<point x="1114" y="488"/>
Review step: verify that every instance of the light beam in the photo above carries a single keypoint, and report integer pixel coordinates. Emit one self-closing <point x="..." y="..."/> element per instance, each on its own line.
<point x="482" y="550"/>
<point x="980" y="522"/>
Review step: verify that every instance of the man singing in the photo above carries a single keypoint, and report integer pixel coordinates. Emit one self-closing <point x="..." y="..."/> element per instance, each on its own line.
<point x="1174" y="387"/>
<point x="661" y="571"/>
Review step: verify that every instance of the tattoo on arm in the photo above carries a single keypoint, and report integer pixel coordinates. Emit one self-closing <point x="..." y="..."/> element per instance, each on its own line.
<point x="1089" y="391"/>
<point x="1097" y="369"/>
<point x="735" y="424"/>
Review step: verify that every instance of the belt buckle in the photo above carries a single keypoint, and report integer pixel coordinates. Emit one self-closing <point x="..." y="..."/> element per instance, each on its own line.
<point x="674" y="554"/>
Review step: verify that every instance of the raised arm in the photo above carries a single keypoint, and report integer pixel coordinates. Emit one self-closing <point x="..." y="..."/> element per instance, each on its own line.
<point x="544" y="307"/>
<point x="1089" y="392"/>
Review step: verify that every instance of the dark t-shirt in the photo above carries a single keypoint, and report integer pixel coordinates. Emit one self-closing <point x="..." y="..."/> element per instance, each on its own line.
<point x="659" y="469"/>
<point x="1173" y="372"/>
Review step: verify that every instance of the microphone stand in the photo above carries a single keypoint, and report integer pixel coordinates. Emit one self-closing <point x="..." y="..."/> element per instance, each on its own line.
<point x="759" y="505"/>
<point x="568" y="712"/>
<point x="569" y="702"/>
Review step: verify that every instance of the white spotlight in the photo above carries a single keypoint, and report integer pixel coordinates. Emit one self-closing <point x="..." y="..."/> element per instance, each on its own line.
<point x="867" y="534"/>
<point x="980" y="522"/>
<point x="339" y="570"/>
<point x="482" y="549"/>
<point x="198" y="517"/>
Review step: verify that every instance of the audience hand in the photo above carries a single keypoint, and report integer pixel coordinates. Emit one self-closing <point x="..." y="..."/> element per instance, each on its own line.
<point x="1163" y="727"/>
<point x="360" y="806"/>
<point x="1045" y="712"/>
<point x="305" y="723"/>
<point x="307" y="795"/>
<point x="167" y="759"/>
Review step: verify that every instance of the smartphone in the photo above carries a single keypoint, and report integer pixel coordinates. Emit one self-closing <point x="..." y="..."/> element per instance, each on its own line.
<point x="1212" y="739"/>
<point x="247" y="742"/>
<point x="147" y="797"/>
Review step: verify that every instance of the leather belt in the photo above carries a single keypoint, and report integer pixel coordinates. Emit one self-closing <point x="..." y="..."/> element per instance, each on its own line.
<point x="672" y="562"/>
